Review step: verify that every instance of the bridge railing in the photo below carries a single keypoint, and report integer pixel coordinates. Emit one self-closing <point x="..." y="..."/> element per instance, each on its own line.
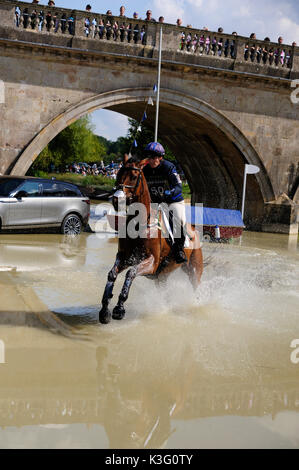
<point x="34" y="17"/>
<point x="111" y="28"/>
<point x="38" y="18"/>
<point x="179" y="43"/>
<point x="207" y="43"/>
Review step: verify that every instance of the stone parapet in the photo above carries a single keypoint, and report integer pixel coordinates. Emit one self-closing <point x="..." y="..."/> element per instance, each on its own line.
<point x="53" y="25"/>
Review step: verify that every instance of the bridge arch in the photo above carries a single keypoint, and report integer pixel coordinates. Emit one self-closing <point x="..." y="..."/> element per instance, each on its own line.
<point x="209" y="146"/>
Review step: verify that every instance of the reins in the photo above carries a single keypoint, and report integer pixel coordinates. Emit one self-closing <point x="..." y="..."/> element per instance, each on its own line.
<point x="135" y="187"/>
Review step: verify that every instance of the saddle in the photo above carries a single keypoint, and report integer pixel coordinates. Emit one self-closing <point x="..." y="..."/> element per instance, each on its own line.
<point x="160" y="221"/>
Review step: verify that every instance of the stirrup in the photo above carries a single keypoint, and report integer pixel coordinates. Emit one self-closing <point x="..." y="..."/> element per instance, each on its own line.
<point x="180" y="257"/>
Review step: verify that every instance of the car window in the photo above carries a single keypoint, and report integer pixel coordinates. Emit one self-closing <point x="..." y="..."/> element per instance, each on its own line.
<point x="51" y="189"/>
<point x="68" y="191"/>
<point x="54" y="189"/>
<point x="8" y="185"/>
<point x="31" y="188"/>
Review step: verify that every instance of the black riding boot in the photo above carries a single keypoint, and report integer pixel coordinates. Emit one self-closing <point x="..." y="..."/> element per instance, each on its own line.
<point x="178" y="250"/>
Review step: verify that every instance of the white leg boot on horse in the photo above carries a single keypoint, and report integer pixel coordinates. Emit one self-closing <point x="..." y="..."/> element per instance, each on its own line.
<point x="148" y="266"/>
<point x="105" y="314"/>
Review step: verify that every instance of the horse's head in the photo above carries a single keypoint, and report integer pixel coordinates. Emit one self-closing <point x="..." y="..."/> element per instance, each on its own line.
<point x="130" y="183"/>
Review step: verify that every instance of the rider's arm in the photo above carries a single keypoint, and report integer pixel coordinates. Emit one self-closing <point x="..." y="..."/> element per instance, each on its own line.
<point x="175" y="186"/>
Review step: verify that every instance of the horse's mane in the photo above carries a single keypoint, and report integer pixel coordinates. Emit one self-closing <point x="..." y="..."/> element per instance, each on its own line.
<point x="133" y="159"/>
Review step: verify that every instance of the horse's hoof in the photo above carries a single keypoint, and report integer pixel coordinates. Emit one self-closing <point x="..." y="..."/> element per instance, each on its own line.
<point x="104" y="316"/>
<point x="118" y="313"/>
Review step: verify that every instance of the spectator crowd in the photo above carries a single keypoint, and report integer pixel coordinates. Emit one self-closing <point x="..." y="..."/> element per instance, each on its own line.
<point x="84" y="169"/>
<point x="204" y="43"/>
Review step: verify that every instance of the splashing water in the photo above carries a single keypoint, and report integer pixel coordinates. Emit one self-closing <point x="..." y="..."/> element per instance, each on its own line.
<point x="216" y="362"/>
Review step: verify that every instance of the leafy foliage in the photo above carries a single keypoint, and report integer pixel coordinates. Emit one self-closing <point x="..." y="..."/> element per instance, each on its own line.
<point x="76" y="143"/>
<point x="142" y="138"/>
<point x="116" y="150"/>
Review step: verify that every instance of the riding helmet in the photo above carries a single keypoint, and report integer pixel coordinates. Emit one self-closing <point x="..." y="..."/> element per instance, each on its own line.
<point x="155" y="148"/>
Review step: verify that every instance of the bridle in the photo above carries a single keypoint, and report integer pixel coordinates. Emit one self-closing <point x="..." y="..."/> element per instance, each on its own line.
<point x="136" y="186"/>
<point x="130" y="199"/>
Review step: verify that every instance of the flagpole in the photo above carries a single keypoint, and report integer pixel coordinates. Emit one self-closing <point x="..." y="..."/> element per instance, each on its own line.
<point x="158" y="91"/>
<point x="244" y="191"/>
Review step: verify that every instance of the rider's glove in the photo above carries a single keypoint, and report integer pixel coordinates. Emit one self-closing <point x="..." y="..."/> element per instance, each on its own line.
<point x="168" y="195"/>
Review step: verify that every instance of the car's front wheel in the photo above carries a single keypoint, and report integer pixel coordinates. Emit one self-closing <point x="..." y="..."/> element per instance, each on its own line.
<point x="71" y="225"/>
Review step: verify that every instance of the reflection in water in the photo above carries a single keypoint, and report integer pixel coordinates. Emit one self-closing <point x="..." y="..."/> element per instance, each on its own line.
<point x="136" y="389"/>
<point x="19" y="252"/>
<point x="139" y="407"/>
<point x="158" y="378"/>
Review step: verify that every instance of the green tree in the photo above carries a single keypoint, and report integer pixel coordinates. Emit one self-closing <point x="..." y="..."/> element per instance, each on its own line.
<point x="143" y="137"/>
<point x="114" y="150"/>
<point x="76" y="143"/>
<point x="120" y="146"/>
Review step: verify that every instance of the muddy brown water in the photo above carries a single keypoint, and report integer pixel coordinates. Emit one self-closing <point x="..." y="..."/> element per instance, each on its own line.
<point x="183" y="370"/>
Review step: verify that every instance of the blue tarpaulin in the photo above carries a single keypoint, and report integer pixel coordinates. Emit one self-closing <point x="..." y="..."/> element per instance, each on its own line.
<point x="197" y="215"/>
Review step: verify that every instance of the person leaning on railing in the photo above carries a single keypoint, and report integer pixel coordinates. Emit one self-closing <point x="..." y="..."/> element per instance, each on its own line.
<point x="109" y="24"/>
<point x="149" y="16"/>
<point x="122" y="12"/>
<point x="279" y="54"/>
<point x="101" y="28"/>
<point x="250" y="51"/>
<point x="17" y="17"/>
<point x="265" y="51"/>
<point x="233" y="51"/>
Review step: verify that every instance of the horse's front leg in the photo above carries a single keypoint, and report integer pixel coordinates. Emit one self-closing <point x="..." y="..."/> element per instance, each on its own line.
<point x="147" y="266"/>
<point x="105" y="315"/>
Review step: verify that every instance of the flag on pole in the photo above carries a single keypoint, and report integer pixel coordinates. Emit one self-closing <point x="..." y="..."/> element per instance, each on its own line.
<point x="155" y="88"/>
<point x="144" y="117"/>
<point x="150" y="101"/>
<point x="251" y="169"/>
<point x="135" y="143"/>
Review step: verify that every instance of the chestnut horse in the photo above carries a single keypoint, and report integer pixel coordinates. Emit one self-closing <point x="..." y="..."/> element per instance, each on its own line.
<point x="145" y="255"/>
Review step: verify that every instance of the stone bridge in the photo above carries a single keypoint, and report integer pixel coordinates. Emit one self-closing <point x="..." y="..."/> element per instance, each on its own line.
<point x="225" y="100"/>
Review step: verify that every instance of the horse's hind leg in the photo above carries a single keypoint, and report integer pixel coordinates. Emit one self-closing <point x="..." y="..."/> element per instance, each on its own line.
<point x="105" y="314"/>
<point x="195" y="267"/>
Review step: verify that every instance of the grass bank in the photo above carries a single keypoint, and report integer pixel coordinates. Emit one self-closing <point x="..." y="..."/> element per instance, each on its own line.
<point x="97" y="182"/>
